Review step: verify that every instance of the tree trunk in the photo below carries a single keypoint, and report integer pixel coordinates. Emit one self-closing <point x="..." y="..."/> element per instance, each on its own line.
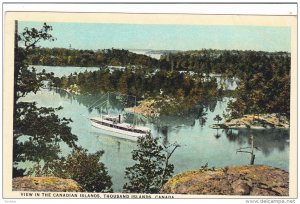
<point x="16" y="69"/>
<point x="166" y="165"/>
<point x="252" y="159"/>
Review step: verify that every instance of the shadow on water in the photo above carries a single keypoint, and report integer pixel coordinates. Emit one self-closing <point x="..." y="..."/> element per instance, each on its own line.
<point x="115" y="103"/>
<point x="118" y="103"/>
<point x="196" y="121"/>
<point x="266" y="140"/>
<point x="200" y="143"/>
<point x="166" y="125"/>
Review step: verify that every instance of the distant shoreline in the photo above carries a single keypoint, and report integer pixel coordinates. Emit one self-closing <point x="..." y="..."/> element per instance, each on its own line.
<point x="59" y="66"/>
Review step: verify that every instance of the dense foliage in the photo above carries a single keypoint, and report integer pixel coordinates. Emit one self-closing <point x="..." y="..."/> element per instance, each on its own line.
<point x="152" y="168"/>
<point x="37" y="130"/>
<point x="90" y="58"/>
<point x="38" y="133"/>
<point x="86" y="169"/>
<point x="264" y="89"/>
<point x="175" y="90"/>
<point x="264" y="77"/>
<point x="178" y="81"/>
<point x="228" y="62"/>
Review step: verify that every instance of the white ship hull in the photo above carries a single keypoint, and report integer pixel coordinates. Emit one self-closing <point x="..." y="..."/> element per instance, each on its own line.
<point x="113" y="131"/>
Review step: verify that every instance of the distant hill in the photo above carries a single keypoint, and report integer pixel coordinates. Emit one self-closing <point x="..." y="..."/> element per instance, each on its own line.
<point x="229" y="62"/>
<point x="91" y="58"/>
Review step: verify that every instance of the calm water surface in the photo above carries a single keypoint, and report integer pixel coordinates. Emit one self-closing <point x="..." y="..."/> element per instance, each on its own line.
<point x="199" y="143"/>
<point x="63" y="71"/>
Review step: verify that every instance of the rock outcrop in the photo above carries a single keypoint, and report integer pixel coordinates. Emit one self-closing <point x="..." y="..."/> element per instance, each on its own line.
<point x="145" y="108"/>
<point x="53" y="184"/>
<point x="263" y="121"/>
<point x="256" y="180"/>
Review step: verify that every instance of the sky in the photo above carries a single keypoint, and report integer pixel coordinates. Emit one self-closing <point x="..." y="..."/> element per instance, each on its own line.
<point x="93" y="36"/>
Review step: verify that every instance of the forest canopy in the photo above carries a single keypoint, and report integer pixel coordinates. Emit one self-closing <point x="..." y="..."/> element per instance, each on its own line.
<point x="264" y="76"/>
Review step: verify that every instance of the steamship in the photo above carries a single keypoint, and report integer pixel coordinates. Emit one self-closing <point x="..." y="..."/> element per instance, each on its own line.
<point x="113" y="124"/>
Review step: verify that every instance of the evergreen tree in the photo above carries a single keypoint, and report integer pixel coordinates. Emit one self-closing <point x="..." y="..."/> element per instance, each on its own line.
<point x="86" y="169"/>
<point x="218" y="118"/>
<point x="37" y="130"/>
<point x="152" y="168"/>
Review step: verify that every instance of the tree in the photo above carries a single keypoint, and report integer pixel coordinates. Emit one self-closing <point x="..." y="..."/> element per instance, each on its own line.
<point x="37" y="130"/>
<point x="86" y="169"/>
<point x="123" y="83"/>
<point x="218" y="118"/>
<point x="152" y="169"/>
<point x="40" y="132"/>
<point x="202" y="116"/>
<point x="26" y="80"/>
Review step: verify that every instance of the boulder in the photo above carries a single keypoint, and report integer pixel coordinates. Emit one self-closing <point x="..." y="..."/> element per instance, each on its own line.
<point x="54" y="184"/>
<point x="256" y="180"/>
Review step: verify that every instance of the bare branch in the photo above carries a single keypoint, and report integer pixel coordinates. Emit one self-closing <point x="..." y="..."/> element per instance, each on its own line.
<point x="167" y="162"/>
<point x="243" y="151"/>
<point x="244" y="148"/>
<point x="257" y="148"/>
<point x="176" y="146"/>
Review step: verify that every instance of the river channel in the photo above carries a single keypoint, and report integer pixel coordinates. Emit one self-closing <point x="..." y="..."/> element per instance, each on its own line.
<point x="199" y="144"/>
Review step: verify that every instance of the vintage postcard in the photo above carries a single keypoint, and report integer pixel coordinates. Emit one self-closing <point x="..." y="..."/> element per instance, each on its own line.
<point x="127" y="105"/>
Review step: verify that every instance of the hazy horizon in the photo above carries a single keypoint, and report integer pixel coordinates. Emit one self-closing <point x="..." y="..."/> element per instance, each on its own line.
<point x="93" y="36"/>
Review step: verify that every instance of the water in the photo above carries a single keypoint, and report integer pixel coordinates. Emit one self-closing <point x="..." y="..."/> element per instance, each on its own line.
<point x="199" y="144"/>
<point x="146" y="52"/>
<point x="63" y="71"/>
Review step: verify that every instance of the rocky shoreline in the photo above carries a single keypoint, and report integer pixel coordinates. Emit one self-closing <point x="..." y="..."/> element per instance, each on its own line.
<point x="146" y="108"/>
<point x="54" y="184"/>
<point x="153" y="107"/>
<point x="263" y="121"/>
<point x="160" y="105"/>
<point x="253" y="180"/>
<point x="73" y="89"/>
